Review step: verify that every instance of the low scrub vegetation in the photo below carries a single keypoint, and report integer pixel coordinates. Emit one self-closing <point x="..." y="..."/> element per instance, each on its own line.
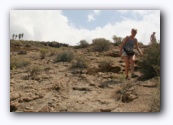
<point x="105" y="65"/>
<point x="18" y="63"/>
<point x="43" y="53"/>
<point x="80" y="63"/>
<point x="33" y="70"/>
<point x="52" y="51"/>
<point x="150" y="63"/>
<point x="22" y="52"/>
<point x="65" y="56"/>
<point x="83" y="44"/>
<point x="101" y="44"/>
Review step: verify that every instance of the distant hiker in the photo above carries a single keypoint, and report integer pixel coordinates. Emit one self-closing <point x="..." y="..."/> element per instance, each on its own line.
<point x="16" y="36"/>
<point x="13" y="36"/>
<point x="153" y="38"/>
<point x="127" y="53"/>
<point x="20" y="36"/>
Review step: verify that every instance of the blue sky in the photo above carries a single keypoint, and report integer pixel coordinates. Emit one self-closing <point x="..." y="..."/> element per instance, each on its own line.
<point x="71" y="26"/>
<point x="79" y="18"/>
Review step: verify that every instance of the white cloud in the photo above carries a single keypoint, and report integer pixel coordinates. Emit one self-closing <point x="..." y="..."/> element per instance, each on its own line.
<point x="149" y="22"/>
<point x="53" y="26"/>
<point x="96" y="12"/>
<point x="122" y="11"/>
<point x="92" y="16"/>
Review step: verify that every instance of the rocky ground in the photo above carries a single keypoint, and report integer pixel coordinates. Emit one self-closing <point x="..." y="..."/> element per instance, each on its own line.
<point x="45" y="86"/>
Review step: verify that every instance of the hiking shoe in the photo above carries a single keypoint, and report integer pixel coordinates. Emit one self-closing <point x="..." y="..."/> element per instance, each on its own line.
<point x="134" y="76"/>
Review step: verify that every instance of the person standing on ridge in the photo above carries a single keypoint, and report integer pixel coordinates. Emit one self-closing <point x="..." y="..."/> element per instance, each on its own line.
<point x="153" y="38"/>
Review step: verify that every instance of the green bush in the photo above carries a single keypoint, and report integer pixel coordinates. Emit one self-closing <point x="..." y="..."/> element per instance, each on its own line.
<point x="34" y="70"/>
<point x="22" y="52"/>
<point x="80" y="63"/>
<point x="52" y="51"/>
<point x="43" y="53"/>
<point x="101" y="44"/>
<point x="83" y="44"/>
<point x="150" y="62"/>
<point x="65" y="56"/>
<point x="117" y="40"/>
<point x="15" y="63"/>
<point x="15" y="43"/>
<point x="105" y="65"/>
<point x="54" y="44"/>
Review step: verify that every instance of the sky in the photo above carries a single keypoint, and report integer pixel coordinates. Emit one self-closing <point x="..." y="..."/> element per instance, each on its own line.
<point x="72" y="26"/>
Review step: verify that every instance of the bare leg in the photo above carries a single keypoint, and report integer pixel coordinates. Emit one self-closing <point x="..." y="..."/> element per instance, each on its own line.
<point x="132" y="64"/>
<point x="126" y="59"/>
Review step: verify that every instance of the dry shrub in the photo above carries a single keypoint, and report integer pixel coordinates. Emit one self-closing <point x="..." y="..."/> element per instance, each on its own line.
<point x="150" y="63"/>
<point x="43" y="53"/>
<point x="101" y="44"/>
<point x="83" y="44"/>
<point x="18" y="63"/>
<point x="15" y="43"/>
<point x="105" y="65"/>
<point x="34" y="70"/>
<point x="52" y="51"/>
<point x="65" y="56"/>
<point x="22" y="52"/>
<point x="125" y="93"/>
<point x="80" y="63"/>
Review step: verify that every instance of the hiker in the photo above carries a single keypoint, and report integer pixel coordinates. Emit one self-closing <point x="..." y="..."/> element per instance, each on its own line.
<point x="153" y="38"/>
<point x="13" y="36"/>
<point x="16" y="36"/>
<point x="20" y="36"/>
<point x="127" y="53"/>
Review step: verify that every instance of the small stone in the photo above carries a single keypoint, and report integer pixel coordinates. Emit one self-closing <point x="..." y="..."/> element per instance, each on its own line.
<point x="13" y="107"/>
<point x="117" y="110"/>
<point x="29" y="108"/>
<point x="14" y="96"/>
<point x="92" y="84"/>
<point x="106" y="110"/>
<point x="132" y="97"/>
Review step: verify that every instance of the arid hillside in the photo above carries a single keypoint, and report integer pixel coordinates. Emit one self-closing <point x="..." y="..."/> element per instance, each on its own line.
<point x="54" y="77"/>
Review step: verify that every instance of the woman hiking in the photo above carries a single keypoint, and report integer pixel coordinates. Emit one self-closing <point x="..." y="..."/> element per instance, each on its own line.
<point x="127" y="53"/>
